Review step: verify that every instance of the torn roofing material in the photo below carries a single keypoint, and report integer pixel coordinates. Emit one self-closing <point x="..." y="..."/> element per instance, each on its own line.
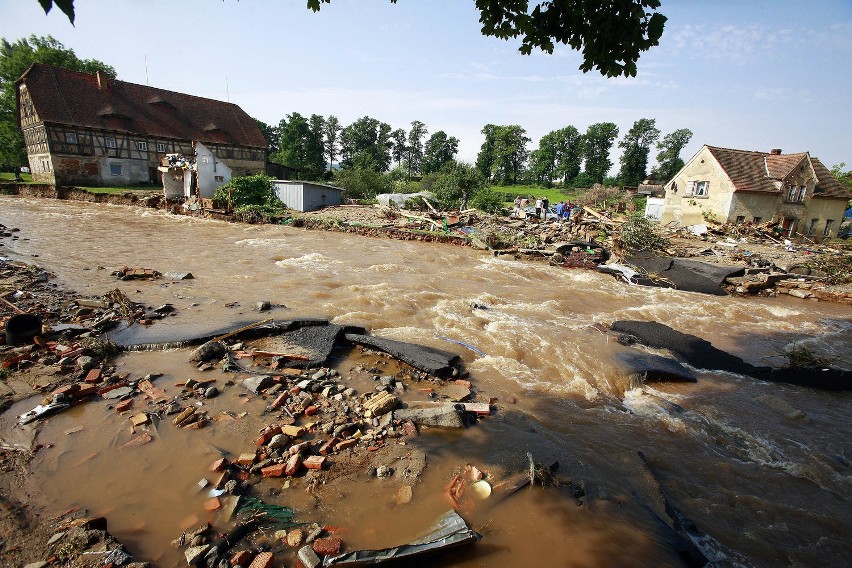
<point x="449" y="531"/>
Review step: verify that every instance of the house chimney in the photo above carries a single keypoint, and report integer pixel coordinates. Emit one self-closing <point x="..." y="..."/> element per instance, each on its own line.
<point x="103" y="81"/>
<point x="776" y="151"/>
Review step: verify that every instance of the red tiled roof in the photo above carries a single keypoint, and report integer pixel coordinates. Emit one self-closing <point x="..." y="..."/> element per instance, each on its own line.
<point x="763" y="171"/>
<point x="68" y="97"/>
<point x="827" y="184"/>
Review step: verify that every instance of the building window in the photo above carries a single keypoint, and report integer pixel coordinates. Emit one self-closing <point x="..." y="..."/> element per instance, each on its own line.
<point x="697" y="188"/>
<point x="812" y="227"/>
<point x="161" y="148"/>
<point x="110" y="143"/>
<point x="795" y="194"/>
<point x="115" y="169"/>
<point x="757" y="220"/>
<point x="71" y="137"/>
<point x="219" y="178"/>
<point x="827" y="231"/>
<point x="45" y="165"/>
<point x="740" y="219"/>
<point x="229" y="153"/>
<point x="143" y="146"/>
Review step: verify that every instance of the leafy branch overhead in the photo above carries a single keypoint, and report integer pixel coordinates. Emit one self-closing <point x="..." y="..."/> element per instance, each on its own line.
<point x="67" y="7"/>
<point x="611" y="35"/>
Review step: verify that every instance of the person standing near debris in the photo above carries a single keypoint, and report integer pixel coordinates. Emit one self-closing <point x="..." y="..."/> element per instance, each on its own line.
<point x="516" y="212"/>
<point x="538" y="208"/>
<point x="560" y="212"/>
<point x="567" y="211"/>
<point x="545" y="206"/>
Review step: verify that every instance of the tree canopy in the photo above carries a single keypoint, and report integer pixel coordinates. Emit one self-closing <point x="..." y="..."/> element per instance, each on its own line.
<point x="669" y="160"/>
<point x="598" y="141"/>
<point x="15" y="58"/>
<point x="637" y="145"/>
<point x="611" y="36"/>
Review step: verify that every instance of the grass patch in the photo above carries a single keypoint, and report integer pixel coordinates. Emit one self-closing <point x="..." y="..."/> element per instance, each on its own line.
<point x="9" y="176"/>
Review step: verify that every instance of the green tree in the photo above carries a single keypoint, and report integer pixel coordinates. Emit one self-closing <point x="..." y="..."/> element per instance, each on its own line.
<point x="399" y="146"/>
<point x="636" y="145"/>
<point x="457" y="183"/>
<point x="440" y="150"/>
<point x="270" y="134"/>
<point x="301" y="146"/>
<point x="559" y="155"/>
<point x="669" y="162"/>
<point x="598" y="141"/>
<point x="415" y="147"/>
<point x="485" y="158"/>
<point x="843" y="177"/>
<point x="510" y="153"/>
<point x="331" y="139"/>
<point x="15" y="58"/>
<point x="366" y="137"/>
<point x="611" y="36"/>
<point x="362" y="180"/>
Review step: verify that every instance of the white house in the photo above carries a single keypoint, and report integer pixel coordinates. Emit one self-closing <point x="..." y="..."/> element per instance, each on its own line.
<point x="737" y="186"/>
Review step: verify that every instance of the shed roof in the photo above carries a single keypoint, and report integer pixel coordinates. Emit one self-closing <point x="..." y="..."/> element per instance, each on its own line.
<point x="73" y="98"/>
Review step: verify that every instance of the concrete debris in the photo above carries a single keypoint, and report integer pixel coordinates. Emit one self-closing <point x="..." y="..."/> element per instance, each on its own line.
<point x="440" y="416"/>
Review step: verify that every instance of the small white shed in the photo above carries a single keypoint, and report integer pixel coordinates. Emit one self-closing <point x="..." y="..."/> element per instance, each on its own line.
<point x="654" y="208"/>
<point x="306" y="195"/>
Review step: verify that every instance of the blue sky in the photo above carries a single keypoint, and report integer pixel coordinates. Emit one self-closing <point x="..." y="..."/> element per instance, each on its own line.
<point x="749" y="74"/>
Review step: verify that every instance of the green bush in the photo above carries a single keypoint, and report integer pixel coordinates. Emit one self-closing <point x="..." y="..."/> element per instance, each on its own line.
<point x="489" y="201"/>
<point x="640" y="233"/>
<point x="247" y="190"/>
<point x="362" y="183"/>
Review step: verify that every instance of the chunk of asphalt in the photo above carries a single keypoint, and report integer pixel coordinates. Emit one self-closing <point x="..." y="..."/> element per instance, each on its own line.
<point x="427" y="359"/>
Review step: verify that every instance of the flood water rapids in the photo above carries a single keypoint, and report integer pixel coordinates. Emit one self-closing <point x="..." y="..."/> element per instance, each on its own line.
<point x="774" y="489"/>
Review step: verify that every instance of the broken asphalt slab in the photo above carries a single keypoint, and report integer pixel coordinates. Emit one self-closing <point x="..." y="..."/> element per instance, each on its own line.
<point x="316" y="342"/>
<point x="653" y="368"/>
<point x="684" y="274"/>
<point x="701" y="354"/>
<point x="427" y="359"/>
<point x="182" y="334"/>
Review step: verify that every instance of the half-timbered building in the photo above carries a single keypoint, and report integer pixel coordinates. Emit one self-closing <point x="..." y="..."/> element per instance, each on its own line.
<point x="92" y="130"/>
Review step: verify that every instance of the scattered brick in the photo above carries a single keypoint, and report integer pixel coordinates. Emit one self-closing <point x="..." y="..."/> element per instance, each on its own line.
<point x="219" y="465"/>
<point x="245" y="459"/>
<point x="241" y="558"/>
<point x="212" y="504"/>
<point x="124" y="405"/>
<point x="328" y="447"/>
<point x="263" y="560"/>
<point x="346" y="444"/>
<point x="294" y="464"/>
<point x="139" y="419"/>
<point x="315" y="462"/>
<point x="93" y="376"/>
<point x="277" y="470"/>
<point x="329" y="546"/>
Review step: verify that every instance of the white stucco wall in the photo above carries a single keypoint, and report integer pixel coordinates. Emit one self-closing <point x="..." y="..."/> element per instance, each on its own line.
<point x="212" y="173"/>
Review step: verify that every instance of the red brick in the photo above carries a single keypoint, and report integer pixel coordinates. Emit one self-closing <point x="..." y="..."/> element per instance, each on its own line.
<point x="197" y="425"/>
<point x="67" y="389"/>
<point x="280" y="401"/>
<point x="294" y="464"/>
<point x="315" y="462"/>
<point x="347" y="444"/>
<point x="124" y="405"/>
<point x="241" y="558"/>
<point x="219" y="465"/>
<point x="84" y="390"/>
<point x="93" y="376"/>
<point x="212" y="504"/>
<point x="311" y="410"/>
<point x="329" y="546"/>
<point x="276" y="470"/>
<point x="267" y="434"/>
<point x="328" y="447"/>
<point x="263" y="560"/>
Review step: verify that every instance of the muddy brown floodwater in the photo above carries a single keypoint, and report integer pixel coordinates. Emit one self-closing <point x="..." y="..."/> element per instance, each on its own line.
<point x="772" y="488"/>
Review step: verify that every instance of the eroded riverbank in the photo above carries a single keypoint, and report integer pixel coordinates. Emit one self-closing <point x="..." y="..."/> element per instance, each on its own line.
<point x="772" y="488"/>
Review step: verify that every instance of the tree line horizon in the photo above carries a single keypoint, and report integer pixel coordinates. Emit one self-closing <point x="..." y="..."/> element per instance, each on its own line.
<point x="313" y="145"/>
